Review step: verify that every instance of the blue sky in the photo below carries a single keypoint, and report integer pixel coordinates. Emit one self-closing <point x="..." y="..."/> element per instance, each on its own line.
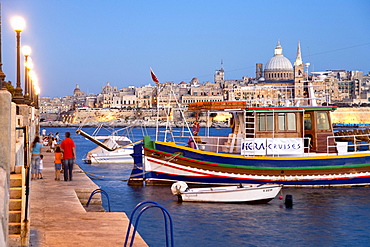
<point x="91" y="42"/>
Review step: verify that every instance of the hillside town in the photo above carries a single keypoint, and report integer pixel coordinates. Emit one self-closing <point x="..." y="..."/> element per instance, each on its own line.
<point x="278" y="82"/>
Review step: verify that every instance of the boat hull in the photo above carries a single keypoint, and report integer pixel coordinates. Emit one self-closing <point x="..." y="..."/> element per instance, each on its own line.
<point x="169" y="162"/>
<point x="233" y="194"/>
<point x="111" y="159"/>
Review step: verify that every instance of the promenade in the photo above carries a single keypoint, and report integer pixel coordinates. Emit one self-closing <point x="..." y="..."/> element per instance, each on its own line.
<point x="57" y="217"/>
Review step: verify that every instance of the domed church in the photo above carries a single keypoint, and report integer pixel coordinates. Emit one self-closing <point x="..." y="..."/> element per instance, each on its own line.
<point x="278" y="68"/>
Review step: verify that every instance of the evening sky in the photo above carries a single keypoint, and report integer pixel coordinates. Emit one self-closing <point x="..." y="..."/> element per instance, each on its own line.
<point x="92" y="42"/>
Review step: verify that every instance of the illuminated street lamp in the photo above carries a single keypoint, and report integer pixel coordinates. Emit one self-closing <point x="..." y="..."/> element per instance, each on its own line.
<point x="18" y="24"/>
<point x="26" y="50"/>
<point x="29" y="67"/>
<point x="33" y="81"/>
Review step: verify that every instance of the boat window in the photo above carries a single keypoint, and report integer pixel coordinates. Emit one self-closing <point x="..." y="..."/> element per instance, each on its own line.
<point x="287" y="121"/>
<point x="322" y="121"/>
<point x="282" y="122"/>
<point x="307" y="121"/>
<point x="265" y="121"/>
<point x="292" y="124"/>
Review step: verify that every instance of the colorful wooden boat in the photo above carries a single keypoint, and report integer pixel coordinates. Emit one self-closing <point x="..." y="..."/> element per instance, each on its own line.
<point x="248" y="193"/>
<point x="293" y="146"/>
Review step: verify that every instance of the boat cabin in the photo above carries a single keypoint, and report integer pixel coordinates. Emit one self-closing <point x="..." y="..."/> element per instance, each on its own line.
<point x="307" y="127"/>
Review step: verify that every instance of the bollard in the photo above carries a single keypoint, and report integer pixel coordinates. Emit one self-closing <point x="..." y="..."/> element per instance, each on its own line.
<point x="288" y="201"/>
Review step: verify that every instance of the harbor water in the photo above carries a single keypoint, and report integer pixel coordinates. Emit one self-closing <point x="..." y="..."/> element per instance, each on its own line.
<point x="319" y="216"/>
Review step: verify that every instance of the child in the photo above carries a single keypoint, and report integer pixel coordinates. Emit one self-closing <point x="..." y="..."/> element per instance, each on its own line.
<point x="53" y="144"/>
<point x="58" y="162"/>
<point x="41" y="166"/>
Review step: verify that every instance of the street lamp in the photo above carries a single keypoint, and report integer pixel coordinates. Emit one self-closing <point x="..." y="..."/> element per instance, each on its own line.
<point x="33" y="81"/>
<point x="18" y="24"/>
<point x="29" y="67"/>
<point x="26" y="50"/>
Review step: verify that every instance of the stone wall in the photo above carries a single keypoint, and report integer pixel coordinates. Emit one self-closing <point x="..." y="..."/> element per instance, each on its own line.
<point x="351" y="116"/>
<point x="5" y="160"/>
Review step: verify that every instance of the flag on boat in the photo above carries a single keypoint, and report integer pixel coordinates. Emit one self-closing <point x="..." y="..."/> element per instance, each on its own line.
<point x="154" y="78"/>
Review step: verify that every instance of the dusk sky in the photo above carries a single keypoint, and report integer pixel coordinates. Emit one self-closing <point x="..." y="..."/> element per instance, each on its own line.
<point x="91" y="42"/>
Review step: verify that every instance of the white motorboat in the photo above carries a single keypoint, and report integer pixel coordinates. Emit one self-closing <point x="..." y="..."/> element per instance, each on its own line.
<point x="250" y="193"/>
<point x="112" y="149"/>
<point x="121" y="150"/>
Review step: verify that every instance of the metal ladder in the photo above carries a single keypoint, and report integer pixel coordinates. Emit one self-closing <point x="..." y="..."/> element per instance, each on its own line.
<point x="101" y="192"/>
<point x="145" y="205"/>
<point x="250" y="125"/>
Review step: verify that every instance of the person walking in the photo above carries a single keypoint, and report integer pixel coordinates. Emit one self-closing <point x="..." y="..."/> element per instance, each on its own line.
<point x="35" y="159"/>
<point x="58" y="156"/>
<point x="69" y="155"/>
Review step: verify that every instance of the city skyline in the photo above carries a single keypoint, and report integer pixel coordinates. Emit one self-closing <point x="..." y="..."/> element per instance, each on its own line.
<point x="93" y="42"/>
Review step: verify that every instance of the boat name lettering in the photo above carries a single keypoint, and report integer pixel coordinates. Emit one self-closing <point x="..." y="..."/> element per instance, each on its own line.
<point x="267" y="190"/>
<point x="268" y="146"/>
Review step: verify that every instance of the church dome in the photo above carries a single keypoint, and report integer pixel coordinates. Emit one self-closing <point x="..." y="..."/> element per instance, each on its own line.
<point x="278" y="67"/>
<point x="277" y="63"/>
<point x="76" y="90"/>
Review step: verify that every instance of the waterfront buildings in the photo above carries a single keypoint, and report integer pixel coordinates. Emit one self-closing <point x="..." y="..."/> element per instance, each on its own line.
<point x="279" y="82"/>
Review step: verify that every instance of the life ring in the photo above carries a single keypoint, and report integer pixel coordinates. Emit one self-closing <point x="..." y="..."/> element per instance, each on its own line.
<point x="179" y="187"/>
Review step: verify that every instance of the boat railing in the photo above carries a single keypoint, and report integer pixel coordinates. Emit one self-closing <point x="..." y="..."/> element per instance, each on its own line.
<point x="349" y="141"/>
<point x="227" y="144"/>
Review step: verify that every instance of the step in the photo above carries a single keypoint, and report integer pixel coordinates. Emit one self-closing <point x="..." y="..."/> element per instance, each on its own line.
<point x="14" y="228"/>
<point x="16" y="180"/>
<point x="15" y="216"/>
<point x="92" y="201"/>
<point x="15" y="204"/>
<point x="16" y="193"/>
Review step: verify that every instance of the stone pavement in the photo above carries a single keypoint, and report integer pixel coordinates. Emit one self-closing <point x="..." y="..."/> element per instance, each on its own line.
<point x="57" y="217"/>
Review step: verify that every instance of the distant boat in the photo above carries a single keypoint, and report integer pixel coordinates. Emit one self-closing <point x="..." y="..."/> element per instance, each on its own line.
<point x="121" y="151"/>
<point x="248" y="193"/>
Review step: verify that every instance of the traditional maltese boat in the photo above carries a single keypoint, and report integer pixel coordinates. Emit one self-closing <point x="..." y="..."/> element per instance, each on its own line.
<point x="248" y="193"/>
<point x="289" y="145"/>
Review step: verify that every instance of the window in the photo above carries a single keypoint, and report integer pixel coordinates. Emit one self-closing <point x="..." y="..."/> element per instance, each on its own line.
<point x="287" y="121"/>
<point x="265" y="121"/>
<point x="322" y="121"/>
<point x="307" y="121"/>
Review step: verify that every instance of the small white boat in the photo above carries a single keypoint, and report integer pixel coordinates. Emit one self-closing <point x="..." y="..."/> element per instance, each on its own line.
<point x="250" y="193"/>
<point x="116" y="154"/>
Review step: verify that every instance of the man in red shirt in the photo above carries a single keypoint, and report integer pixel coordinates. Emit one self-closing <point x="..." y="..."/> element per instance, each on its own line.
<point x="69" y="156"/>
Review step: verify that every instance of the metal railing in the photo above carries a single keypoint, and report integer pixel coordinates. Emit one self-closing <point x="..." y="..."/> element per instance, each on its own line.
<point x="101" y="192"/>
<point x="166" y="216"/>
<point x="355" y="142"/>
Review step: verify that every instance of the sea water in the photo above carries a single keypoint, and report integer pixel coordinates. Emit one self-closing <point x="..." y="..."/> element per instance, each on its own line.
<point x="319" y="216"/>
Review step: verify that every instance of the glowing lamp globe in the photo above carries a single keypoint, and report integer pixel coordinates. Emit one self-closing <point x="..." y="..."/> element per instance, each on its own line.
<point x="18" y="23"/>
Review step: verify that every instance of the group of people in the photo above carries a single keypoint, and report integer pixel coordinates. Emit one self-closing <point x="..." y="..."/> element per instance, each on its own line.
<point x="64" y="157"/>
<point x="50" y="140"/>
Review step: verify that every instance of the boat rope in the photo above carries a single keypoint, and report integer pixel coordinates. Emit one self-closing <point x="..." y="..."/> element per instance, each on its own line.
<point x="102" y="177"/>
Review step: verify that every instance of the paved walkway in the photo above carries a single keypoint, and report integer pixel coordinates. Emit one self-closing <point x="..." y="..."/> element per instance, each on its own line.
<point x="58" y="218"/>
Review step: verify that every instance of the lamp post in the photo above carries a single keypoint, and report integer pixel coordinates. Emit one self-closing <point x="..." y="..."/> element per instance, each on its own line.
<point x="26" y="50"/>
<point x="32" y="77"/>
<point x="18" y="24"/>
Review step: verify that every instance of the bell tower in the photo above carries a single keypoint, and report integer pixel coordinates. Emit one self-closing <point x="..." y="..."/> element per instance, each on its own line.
<point x="299" y="74"/>
<point x="219" y="76"/>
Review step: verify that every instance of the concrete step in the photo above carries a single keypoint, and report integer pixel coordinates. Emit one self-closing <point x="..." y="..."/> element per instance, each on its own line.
<point x="15" y="180"/>
<point x="16" y="193"/>
<point x="15" y="216"/>
<point x="92" y="202"/>
<point x="14" y="228"/>
<point x="15" y="204"/>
